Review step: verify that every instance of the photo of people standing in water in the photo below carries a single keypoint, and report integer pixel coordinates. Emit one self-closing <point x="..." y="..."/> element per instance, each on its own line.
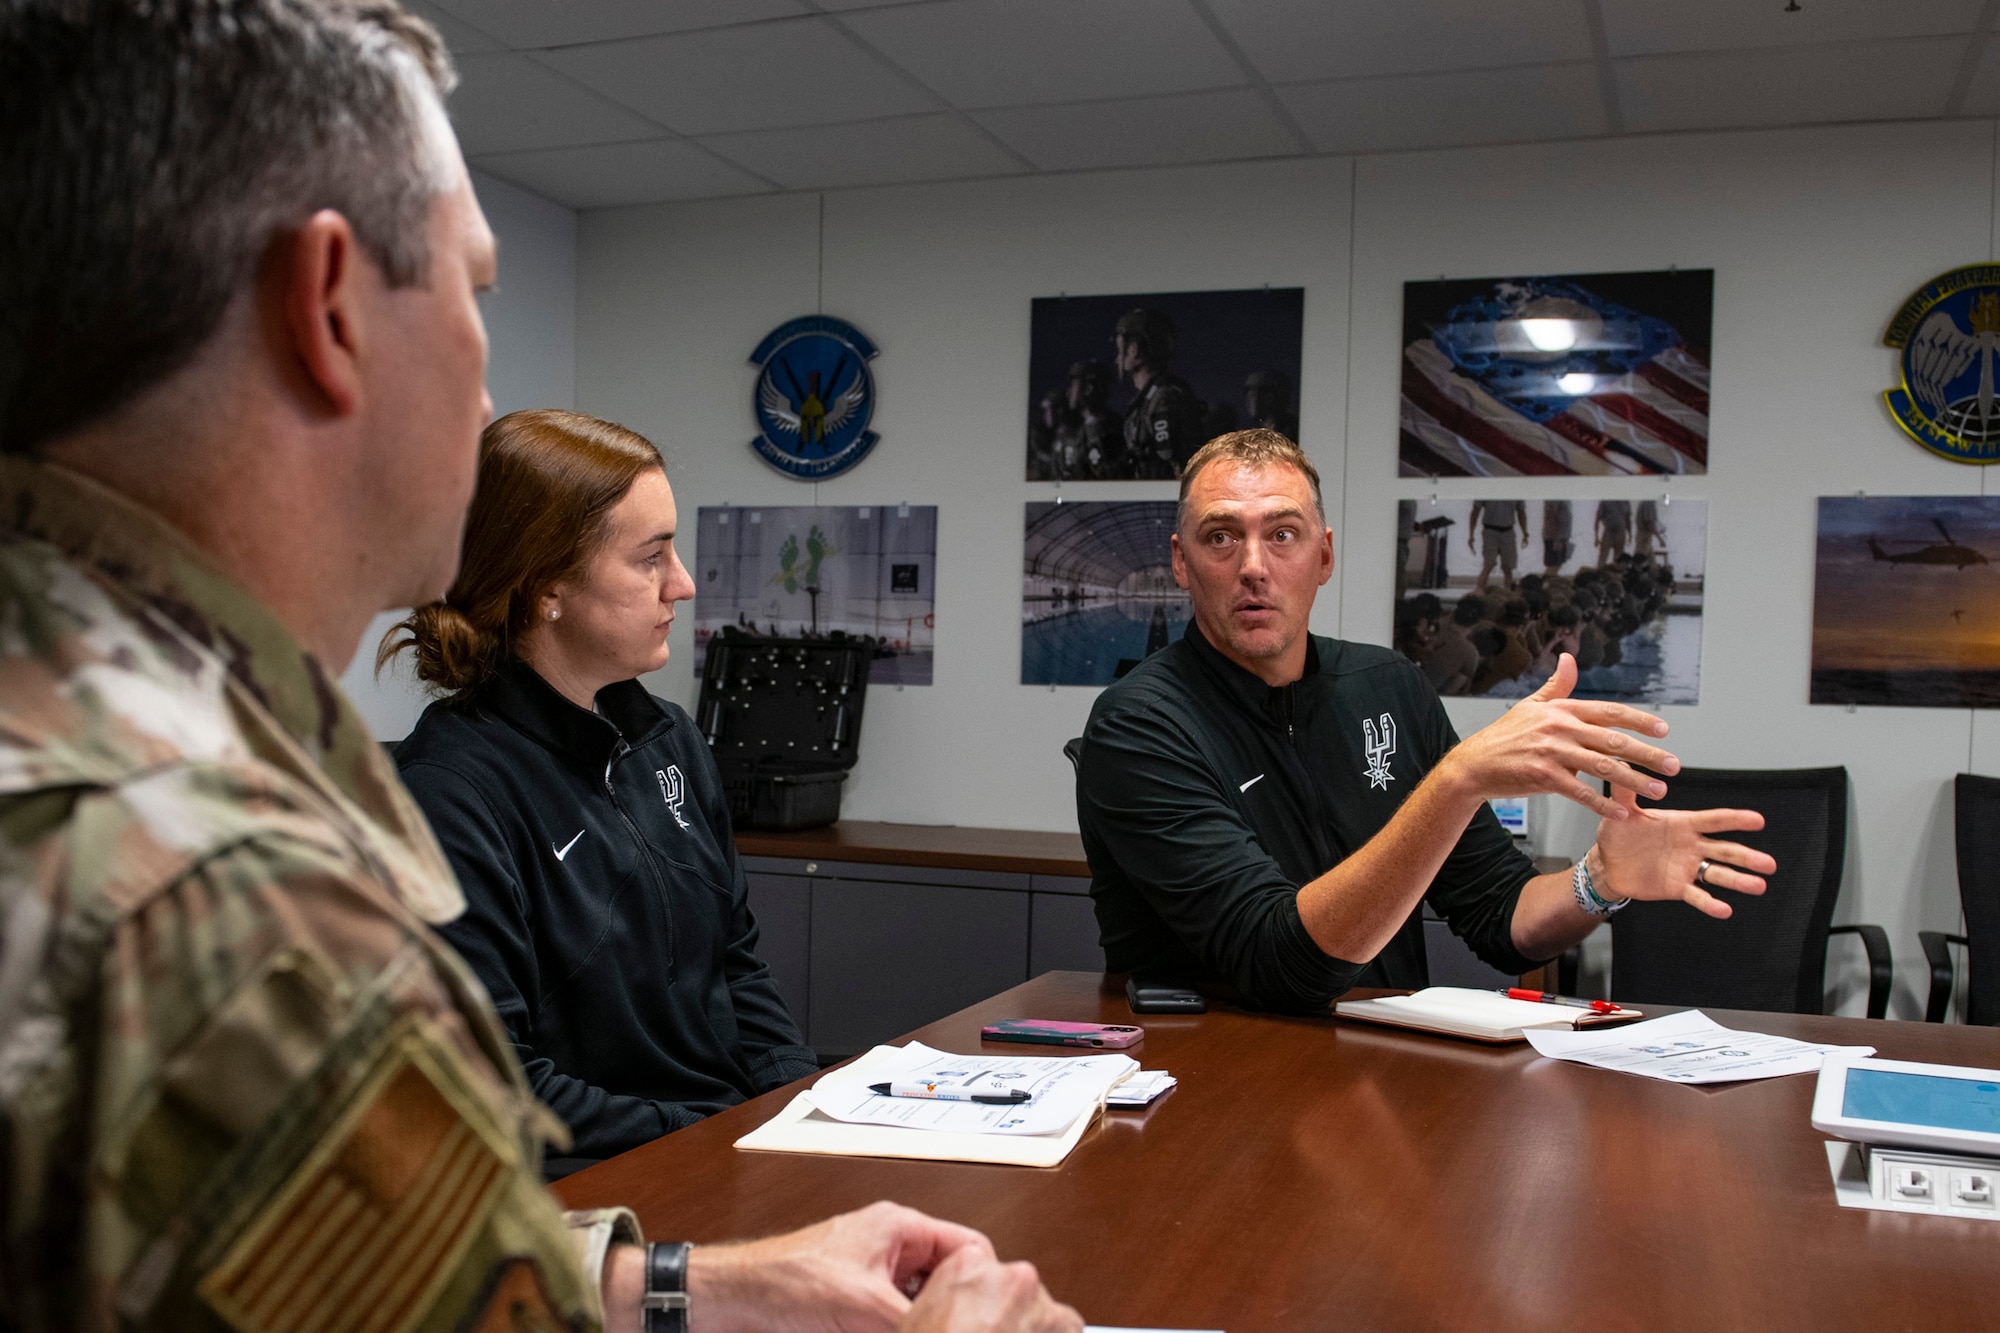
<point x="1097" y="591"/>
<point x="1906" y="594"/>
<point x="1126" y="388"/>
<point x="1491" y="592"/>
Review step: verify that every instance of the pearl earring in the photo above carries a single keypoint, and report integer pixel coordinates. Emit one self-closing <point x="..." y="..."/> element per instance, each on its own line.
<point x="555" y="613"/>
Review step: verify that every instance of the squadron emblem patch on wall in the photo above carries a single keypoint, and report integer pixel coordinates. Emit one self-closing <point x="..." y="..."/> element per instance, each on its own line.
<point x="1949" y="333"/>
<point x="814" y="397"/>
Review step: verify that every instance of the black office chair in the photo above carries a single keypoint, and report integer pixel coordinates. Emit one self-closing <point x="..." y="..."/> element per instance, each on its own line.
<point x="1771" y="953"/>
<point x="1976" y="814"/>
<point x="1073" y="751"/>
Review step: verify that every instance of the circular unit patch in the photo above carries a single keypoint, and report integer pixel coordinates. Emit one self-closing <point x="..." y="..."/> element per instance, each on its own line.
<point x="814" y="397"/>
<point x="1949" y="334"/>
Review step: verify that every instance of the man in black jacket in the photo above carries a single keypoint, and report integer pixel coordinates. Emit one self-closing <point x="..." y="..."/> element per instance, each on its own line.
<point x="1267" y="808"/>
<point x="605" y="908"/>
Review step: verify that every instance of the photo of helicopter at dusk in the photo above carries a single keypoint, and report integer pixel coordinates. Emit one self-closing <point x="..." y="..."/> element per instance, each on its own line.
<point x="1950" y="551"/>
<point x="1906" y="601"/>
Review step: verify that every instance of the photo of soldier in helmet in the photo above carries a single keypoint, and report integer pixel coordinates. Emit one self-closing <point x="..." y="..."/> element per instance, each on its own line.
<point x="1126" y="388"/>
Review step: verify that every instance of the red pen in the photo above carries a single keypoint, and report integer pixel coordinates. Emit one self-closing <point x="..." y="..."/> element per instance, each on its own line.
<point x="1544" y="997"/>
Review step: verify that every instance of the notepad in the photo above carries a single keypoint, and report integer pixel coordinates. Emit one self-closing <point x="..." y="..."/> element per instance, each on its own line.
<point x="1480" y="1015"/>
<point x="803" y="1127"/>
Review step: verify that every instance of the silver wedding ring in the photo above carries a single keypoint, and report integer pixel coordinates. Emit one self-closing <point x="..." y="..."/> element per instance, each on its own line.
<point x="1701" y="875"/>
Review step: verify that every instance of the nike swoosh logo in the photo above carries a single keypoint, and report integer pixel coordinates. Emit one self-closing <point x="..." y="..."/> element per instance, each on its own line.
<point x="563" y="851"/>
<point x="1246" y="786"/>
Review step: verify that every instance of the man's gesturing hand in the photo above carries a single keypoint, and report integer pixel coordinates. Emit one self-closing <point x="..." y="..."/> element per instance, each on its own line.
<point x="1654" y="854"/>
<point x="1541" y="743"/>
<point x="971" y="1293"/>
<point x="849" y="1274"/>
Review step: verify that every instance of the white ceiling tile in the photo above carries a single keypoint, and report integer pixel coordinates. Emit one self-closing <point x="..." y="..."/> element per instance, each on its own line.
<point x="877" y="152"/>
<point x="978" y="53"/>
<point x="1446" y="110"/>
<point x="1983" y="98"/>
<point x="540" y="23"/>
<point x="1146" y="131"/>
<point x="1292" y="41"/>
<point x="458" y="37"/>
<point x="1796" y="86"/>
<point x="622" y="173"/>
<point x="760" y="77"/>
<point x="506" y="103"/>
<point x="1648" y="27"/>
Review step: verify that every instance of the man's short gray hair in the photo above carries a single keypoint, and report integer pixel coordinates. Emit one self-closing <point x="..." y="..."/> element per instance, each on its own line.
<point x="151" y="149"/>
<point x="1257" y="447"/>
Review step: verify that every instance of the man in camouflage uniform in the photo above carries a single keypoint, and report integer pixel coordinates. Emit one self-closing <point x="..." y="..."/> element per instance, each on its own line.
<point x="242" y="1083"/>
<point x="1163" y="423"/>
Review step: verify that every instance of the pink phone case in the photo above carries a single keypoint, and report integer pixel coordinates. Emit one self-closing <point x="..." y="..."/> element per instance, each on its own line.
<point x="1049" y="1032"/>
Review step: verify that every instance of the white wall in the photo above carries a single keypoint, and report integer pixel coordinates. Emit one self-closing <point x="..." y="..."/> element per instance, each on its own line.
<point x="531" y="328"/>
<point x="1815" y="235"/>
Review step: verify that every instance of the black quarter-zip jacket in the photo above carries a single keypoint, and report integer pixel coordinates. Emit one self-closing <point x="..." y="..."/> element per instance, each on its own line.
<point x="606" y="911"/>
<point x="1206" y="798"/>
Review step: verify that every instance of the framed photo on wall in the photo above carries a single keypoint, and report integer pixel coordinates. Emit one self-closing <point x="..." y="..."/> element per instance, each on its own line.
<point x="1489" y="593"/>
<point x="1125" y="388"/>
<point x="1906" y="599"/>
<point x="1097" y="589"/>
<point x="1591" y="374"/>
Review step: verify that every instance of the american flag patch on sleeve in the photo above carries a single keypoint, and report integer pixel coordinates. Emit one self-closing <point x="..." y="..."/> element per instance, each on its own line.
<point x="371" y="1225"/>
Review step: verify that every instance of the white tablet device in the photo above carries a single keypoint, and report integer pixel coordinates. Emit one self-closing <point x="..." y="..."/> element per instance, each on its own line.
<point x="1945" y="1108"/>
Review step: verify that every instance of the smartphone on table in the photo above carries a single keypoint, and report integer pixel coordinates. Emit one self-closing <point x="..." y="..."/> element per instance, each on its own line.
<point x="1050" y="1032"/>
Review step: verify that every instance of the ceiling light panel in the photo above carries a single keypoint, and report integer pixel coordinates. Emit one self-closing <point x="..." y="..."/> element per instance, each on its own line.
<point x="1296" y="40"/>
<point x="506" y="103"/>
<point x="659" y="171"/>
<point x="1647" y="27"/>
<point x="980" y="53"/>
<point x="458" y="37"/>
<point x="543" y="23"/>
<point x="1449" y="110"/>
<point x="935" y="147"/>
<point x="758" y="77"/>
<point x="1147" y="131"/>
<point x="1793" y="86"/>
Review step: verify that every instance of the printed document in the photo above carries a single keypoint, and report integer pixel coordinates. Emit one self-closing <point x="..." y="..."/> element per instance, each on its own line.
<point x="1060" y="1089"/>
<point x="1688" y="1048"/>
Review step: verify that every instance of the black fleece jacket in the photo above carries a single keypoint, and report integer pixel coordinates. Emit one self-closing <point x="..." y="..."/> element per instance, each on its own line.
<point x="1206" y="798"/>
<point x="606" y="911"/>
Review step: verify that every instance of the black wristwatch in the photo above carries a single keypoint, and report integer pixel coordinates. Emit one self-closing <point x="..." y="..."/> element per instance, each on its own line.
<point x="666" y="1300"/>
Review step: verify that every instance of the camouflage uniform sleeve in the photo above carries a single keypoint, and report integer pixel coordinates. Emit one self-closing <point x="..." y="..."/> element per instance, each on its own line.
<point x="264" y="1100"/>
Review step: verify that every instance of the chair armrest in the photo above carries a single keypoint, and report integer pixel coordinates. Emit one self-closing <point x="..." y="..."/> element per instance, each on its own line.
<point x="1881" y="965"/>
<point x="1937" y="952"/>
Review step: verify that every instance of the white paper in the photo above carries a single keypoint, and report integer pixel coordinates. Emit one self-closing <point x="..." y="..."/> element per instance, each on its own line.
<point x="1141" y="1088"/>
<point x="1060" y="1089"/>
<point x="1688" y="1047"/>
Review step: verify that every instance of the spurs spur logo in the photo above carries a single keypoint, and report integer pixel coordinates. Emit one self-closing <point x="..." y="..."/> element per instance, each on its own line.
<point x="672" y="791"/>
<point x="1378" y="736"/>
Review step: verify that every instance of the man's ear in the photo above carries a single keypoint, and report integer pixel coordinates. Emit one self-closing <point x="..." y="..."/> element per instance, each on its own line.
<point x="321" y="272"/>
<point x="1180" y="561"/>
<point x="1326" y="554"/>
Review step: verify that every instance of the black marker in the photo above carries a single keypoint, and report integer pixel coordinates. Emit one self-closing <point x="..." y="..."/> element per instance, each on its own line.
<point x="938" y="1093"/>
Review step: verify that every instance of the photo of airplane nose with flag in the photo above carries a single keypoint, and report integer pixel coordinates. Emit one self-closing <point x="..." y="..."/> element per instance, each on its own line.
<point x="1595" y="374"/>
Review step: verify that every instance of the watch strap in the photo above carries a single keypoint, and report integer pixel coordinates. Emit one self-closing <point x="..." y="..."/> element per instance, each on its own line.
<point x="665" y="1304"/>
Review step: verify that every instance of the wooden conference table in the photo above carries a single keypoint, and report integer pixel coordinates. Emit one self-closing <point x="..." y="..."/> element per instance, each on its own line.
<point x="1323" y="1174"/>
